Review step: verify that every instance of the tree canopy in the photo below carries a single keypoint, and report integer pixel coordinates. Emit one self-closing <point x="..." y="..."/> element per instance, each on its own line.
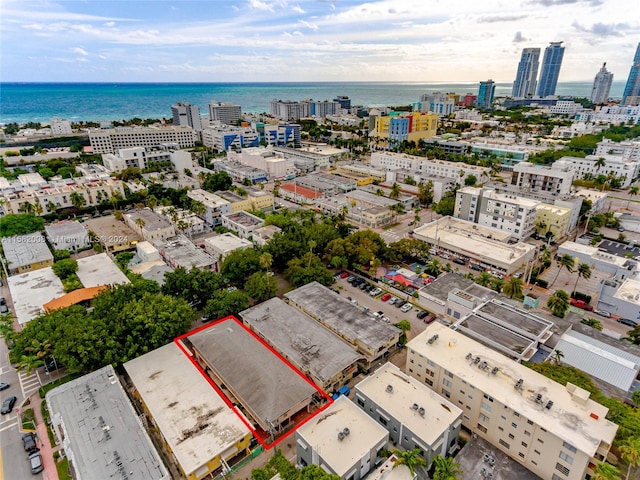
<point x="20" y="224"/>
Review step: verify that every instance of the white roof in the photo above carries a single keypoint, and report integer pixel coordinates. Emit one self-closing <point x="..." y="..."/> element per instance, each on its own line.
<point x="31" y="290"/>
<point x="99" y="270"/>
<point x="194" y="420"/>
<point x="227" y="242"/>
<point x="600" y="360"/>
<point x="629" y="291"/>
<point x="321" y="432"/>
<point x="399" y="400"/>
<point x="568" y="419"/>
<point x="209" y="200"/>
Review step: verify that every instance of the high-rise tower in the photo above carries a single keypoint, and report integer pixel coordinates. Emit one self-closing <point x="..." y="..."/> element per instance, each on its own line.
<point x="601" y="85"/>
<point x="525" y="83"/>
<point x="186" y="114"/>
<point x="550" y="71"/>
<point x="485" y="94"/>
<point x="631" y="94"/>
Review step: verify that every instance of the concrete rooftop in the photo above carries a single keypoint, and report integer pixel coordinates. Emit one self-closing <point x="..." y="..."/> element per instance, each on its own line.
<point x="31" y="290"/>
<point x="99" y="270"/>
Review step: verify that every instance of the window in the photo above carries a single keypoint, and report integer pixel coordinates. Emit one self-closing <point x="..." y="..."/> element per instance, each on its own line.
<point x="431" y="373"/>
<point x="536" y="452"/>
<point x="530" y="422"/>
<point x="501" y="429"/>
<point x="562" y="469"/>
<point x="511" y="436"/>
<point x="360" y="401"/>
<point x="448" y="373"/>
<point x="534" y="463"/>
<point x="486" y="407"/>
<point x="514" y="425"/>
<point x="488" y="397"/>
<point x="484" y="418"/>
<point x="566" y="457"/>
<point x="446" y="393"/>
<point x="569" y="447"/>
<point x="516" y="414"/>
<point x="521" y="454"/>
<point x="446" y="382"/>
<point x="556" y="477"/>
<point x="382" y="420"/>
<point x="503" y="417"/>
<point x="504" y="444"/>
<point x="524" y="444"/>
<point x="527" y="433"/>
<point x="428" y="382"/>
<point x="482" y="428"/>
<point x="540" y="440"/>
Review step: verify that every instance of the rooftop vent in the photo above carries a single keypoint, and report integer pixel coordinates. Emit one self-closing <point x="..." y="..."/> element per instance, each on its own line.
<point x="414" y="406"/>
<point x="340" y="436"/>
<point x="538" y="398"/>
<point x="469" y="356"/>
<point x="549" y="405"/>
<point x="485" y="458"/>
<point x="421" y="411"/>
<point x="483" y="365"/>
<point x="432" y="339"/>
<point x="476" y="360"/>
<point x="389" y="388"/>
<point x="494" y="370"/>
<point x="346" y="431"/>
<point x="492" y="461"/>
<point x="519" y="383"/>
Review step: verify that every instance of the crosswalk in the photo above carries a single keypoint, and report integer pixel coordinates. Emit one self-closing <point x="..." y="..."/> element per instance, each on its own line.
<point x="390" y="236"/>
<point x="29" y="384"/>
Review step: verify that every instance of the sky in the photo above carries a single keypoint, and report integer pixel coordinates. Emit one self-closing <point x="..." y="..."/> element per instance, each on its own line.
<point x="305" y="40"/>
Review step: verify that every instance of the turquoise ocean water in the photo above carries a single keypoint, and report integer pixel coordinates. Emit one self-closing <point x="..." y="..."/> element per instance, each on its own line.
<point x="39" y="102"/>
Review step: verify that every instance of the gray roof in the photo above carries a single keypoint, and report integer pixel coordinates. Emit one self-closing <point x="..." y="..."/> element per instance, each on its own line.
<point x="600" y="360"/>
<point x="444" y="284"/>
<point x="304" y="342"/>
<point x="23" y="250"/>
<point x="342" y="316"/>
<point x="65" y="228"/>
<point x="180" y="251"/>
<point x="495" y="336"/>
<point x="263" y="383"/>
<point x="522" y="322"/>
<point x="101" y="428"/>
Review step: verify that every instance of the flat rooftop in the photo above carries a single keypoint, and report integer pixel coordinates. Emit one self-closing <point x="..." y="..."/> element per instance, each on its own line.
<point x="629" y="291"/>
<point x="343" y="317"/>
<point x="152" y="221"/>
<point x="230" y="196"/>
<point x="496" y="336"/>
<point x="23" y="250"/>
<point x="103" y="430"/>
<point x="245" y="219"/>
<point x="111" y="231"/>
<point x="443" y="285"/>
<point x="619" y="249"/>
<point x="525" y="323"/>
<point x="372" y="198"/>
<point x="65" y="228"/>
<point x="194" y="420"/>
<point x="182" y="252"/>
<point x="209" y="200"/>
<point x="568" y="419"/>
<point x="227" y="242"/>
<point x="31" y="290"/>
<point x="399" y="400"/>
<point x="299" y="190"/>
<point x="364" y="434"/>
<point x="99" y="270"/>
<point x="300" y="339"/>
<point x="261" y="381"/>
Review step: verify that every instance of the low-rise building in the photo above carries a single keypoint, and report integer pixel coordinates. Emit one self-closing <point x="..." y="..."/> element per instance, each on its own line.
<point x="555" y="178"/>
<point x="220" y="246"/>
<point x="98" y="270"/>
<point x="145" y="157"/>
<point x="179" y="251"/>
<point x="621" y="297"/>
<point x="24" y="253"/>
<point x="262" y="235"/>
<point x="597" y="198"/>
<point x="239" y="172"/>
<point x="260" y="199"/>
<point x="624" y="169"/>
<point x="112" y="234"/>
<point x="67" y="235"/>
<point x="454" y="296"/>
<point x="113" y="139"/>
<point x="214" y="205"/>
<point x="414" y="415"/>
<point x="343" y="440"/>
<point x="199" y="429"/>
<point x="548" y="428"/>
<point x="369" y="335"/>
<point x="82" y="296"/>
<point x="397" y="127"/>
<point x="151" y="226"/>
<point x="31" y="290"/>
<point x="242" y="223"/>
<point x="274" y="163"/>
<point x="237" y="202"/>
<point x="326" y="359"/>
<point x="99" y="430"/>
<point x="298" y="194"/>
<point x="223" y="137"/>
<point x="555" y="219"/>
<point x="614" y="265"/>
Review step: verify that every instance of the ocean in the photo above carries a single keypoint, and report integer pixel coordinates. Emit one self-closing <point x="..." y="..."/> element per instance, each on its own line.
<point x="40" y="102"/>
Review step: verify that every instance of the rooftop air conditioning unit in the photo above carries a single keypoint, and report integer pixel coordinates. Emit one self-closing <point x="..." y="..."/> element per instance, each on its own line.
<point x="389" y="388"/>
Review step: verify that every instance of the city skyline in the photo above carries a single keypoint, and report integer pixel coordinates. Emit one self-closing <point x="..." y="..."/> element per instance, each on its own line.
<point x="258" y="41"/>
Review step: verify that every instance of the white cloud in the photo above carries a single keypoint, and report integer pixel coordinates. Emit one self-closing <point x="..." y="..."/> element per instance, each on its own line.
<point x="80" y="51"/>
<point x="298" y="9"/>
<point x="260" y="5"/>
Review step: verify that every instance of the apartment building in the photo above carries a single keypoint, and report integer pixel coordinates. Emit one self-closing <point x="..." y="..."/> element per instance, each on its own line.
<point x="24" y="253"/>
<point x="242" y="223"/>
<point x="144" y="157"/>
<point x="555" y="431"/>
<point x="151" y="226"/>
<point x="226" y="113"/>
<point x="239" y="172"/>
<point x="112" y="140"/>
<point x="215" y="206"/>
<point x="629" y="149"/>
<point x="282" y="135"/>
<point x="220" y="246"/>
<point x="555" y="178"/>
<point x="223" y="137"/>
<point x="397" y="127"/>
<point x="508" y="213"/>
<point x="274" y="163"/>
<point x="186" y="114"/>
<point x="554" y="218"/>
<point x="626" y="170"/>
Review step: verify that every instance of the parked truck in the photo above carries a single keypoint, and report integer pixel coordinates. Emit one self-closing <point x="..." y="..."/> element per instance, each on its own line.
<point x="343" y="391"/>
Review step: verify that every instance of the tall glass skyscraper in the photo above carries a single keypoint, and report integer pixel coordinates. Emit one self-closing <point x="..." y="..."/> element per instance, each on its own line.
<point x="551" y="64"/>
<point x="525" y="83"/>
<point x="631" y="94"/>
<point x="485" y="94"/>
<point x="601" y="85"/>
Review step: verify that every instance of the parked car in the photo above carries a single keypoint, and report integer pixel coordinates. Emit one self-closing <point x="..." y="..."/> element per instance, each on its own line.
<point x="4" y="385"/>
<point x="393" y="300"/>
<point x="385" y="297"/>
<point x="4" y="309"/>
<point x="406" y="307"/>
<point x="3" y="301"/>
<point x="350" y="278"/>
<point x="459" y="261"/>
<point x="400" y="303"/>
<point x="375" y="291"/>
<point x="7" y="405"/>
<point x="35" y="461"/>
<point x="421" y="314"/>
<point x="343" y="391"/>
<point x="344" y="274"/>
<point x="51" y="366"/>
<point x="445" y="256"/>
<point x="476" y="267"/>
<point x="378" y="314"/>
<point x="386" y="320"/>
<point x="429" y="318"/>
<point x="29" y="442"/>
<point x="628" y="322"/>
<point x="581" y="304"/>
<point x="602" y="313"/>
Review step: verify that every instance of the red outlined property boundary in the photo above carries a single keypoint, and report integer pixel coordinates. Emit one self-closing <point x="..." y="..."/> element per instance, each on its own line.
<point x="254" y="432"/>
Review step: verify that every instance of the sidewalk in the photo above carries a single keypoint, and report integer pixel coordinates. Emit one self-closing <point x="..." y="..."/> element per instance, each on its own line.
<point x="46" y="450"/>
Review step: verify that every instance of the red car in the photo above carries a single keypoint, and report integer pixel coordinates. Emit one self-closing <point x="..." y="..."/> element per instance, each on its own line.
<point x="385" y="297"/>
<point x="344" y="274"/>
<point x="581" y="304"/>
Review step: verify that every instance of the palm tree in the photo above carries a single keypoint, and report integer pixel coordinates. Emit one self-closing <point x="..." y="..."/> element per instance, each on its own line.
<point x="540" y="227"/>
<point x="599" y="163"/>
<point x="152" y="202"/>
<point x="265" y="260"/>
<point x="630" y="453"/>
<point x="557" y="356"/>
<point x="559" y="303"/>
<point x="514" y="287"/>
<point x="26" y="207"/>
<point x="606" y="471"/>
<point x="633" y="191"/>
<point x="312" y="245"/>
<point x="433" y="268"/>
<point x="446" y="469"/>
<point x="410" y="458"/>
<point x="565" y="261"/>
<point x="484" y="279"/>
<point x="395" y="191"/>
<point x="77" y="200"/>
<point x="583" y="271"/>
<point x="140" y="223"/>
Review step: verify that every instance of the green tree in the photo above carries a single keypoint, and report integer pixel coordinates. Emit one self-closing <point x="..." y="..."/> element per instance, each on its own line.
<point x="20" y="224"/>
<point x="633" y="191"/>
<point x="471" y="180"/>
<point x="261" y="286"/>
<point x="630" y="453"/>
<point x="514" y="287"/>
<point x="635" y="396"/>
<point x="633" y="335"/>
<point x="65" y="268"/>
<point x="583" y="271"/>
<point x="559" y="303"/>
<point x="557" y="356"/>
<point x="226" y="303"/>
<point x="592" y="322"/>
<point x="445" y="468"/>
<point x="239" y="265"/>
<point x="218" y="181"/>
<point x="606" y="471"/>
<point x="433" y="268"/>
<point x="565" y="261"/>
<point x="483" y="278"/>
<point x="77" y="200"/>
<point x="306" y="269"/>
<point x="395" y="191"/>
<point x="412" y="459"/>
<point x="446" y="205"/>
<point x="425" y="193"/>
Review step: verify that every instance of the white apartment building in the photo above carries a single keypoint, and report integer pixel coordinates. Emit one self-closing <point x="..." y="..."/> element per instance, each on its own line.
<point x="187" y="115"/>
<point x="242" y="223"/>
<point x="437" y="102"/>
<point x="555" y="178"/>
<point x="112" y="140"/>
<point x="566" y="107"/>
<point x="220" y="246"/>
<point x="227" y="113"/>
<point x="60" y="126"/>
<point x="629" y="150"/>
<point x="502" y="211"/>
<point x="287" y="110"/>
<point x="215" y="206"/>
<point x="223" y="137"/>
<point x="151" y="226"/>
<point x="441" y="168"/>
<point x="414" y="415"/>
<point x="277" y="166"/>
<point x="143" y="157"/>
<point x="607" y="114"/>
<point x="624" y="169"/>
<point x="554" y="431"/>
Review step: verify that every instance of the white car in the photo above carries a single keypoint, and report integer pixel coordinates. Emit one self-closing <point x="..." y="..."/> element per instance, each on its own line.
<point x="386" y="320"/>
<point x="393" y="300"/>
<point x="375" y="291"/>
<point x="406" y="307"/>
<point x="602" y="313"/>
